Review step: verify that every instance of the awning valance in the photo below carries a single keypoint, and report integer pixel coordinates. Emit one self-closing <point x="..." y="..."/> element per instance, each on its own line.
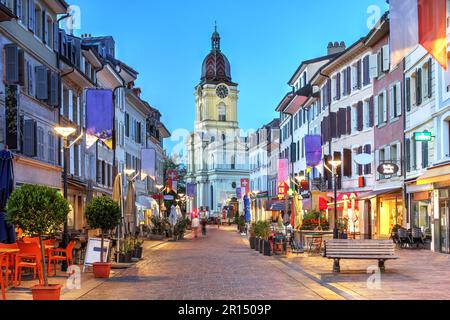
<point x="376" y="193"/>
<point x="434" y="175"/>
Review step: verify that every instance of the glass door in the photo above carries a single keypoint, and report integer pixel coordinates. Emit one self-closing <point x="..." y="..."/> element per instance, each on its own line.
<point x="444" y="230"/>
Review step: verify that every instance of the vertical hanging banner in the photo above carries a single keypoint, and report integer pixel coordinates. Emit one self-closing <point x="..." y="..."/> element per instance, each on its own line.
<point x="245" y="185"/>
<point x="99" y="117"/>
<point x="283" y="170"/>
<point x="313" y="149"/>
<point x="239" y="193"/>
<point x="172" y="179"/>
<point x="190" y="190"/>
<point x="414" y="22"/>
<point x="148" y="157"/>
<point x="433" y="28"/>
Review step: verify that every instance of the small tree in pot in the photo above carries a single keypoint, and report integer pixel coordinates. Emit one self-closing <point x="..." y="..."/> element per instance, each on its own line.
<point x="103" y="213"/>
<point x="39" y="211"/>
<point x="252" y="238"/>
<point x="265" y="235"/>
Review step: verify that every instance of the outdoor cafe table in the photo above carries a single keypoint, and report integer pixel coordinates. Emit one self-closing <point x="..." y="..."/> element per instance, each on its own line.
<point x="9" y="251"/>
<point x="309" y="235"/>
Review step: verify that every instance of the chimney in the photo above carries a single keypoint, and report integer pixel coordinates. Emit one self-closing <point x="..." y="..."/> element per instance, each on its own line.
<point x="137" y="92"/>
<point x="336" y="47"/>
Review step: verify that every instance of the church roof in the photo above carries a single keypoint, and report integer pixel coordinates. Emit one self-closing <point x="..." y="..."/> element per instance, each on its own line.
<point x="216" y="67"/>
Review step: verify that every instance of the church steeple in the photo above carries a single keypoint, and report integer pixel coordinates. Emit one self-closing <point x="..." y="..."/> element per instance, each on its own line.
<point x="215" y="39"/>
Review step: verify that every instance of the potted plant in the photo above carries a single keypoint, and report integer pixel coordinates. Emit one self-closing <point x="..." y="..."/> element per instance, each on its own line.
<point x="252" y="238"/>
<point x="138" y="248"/>
<point x="39" y="211"/>
<point x="102" y="213"/>
<point x="241" y="223"/>
<point x="158" y="228"/>
<point x="265" y="235"/>
<point x="257" y="235"/>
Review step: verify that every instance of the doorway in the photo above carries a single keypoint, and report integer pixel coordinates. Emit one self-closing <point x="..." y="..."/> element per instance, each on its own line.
<point x="368" y="219"/>
<point x="444" y="226"/>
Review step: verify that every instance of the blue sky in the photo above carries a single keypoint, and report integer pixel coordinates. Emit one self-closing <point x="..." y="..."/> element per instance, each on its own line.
<point x="265" y="40"/>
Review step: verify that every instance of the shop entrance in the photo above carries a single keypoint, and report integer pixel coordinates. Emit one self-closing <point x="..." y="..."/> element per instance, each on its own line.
<point x="390" y="215"/>
<point x="444" y="226"/>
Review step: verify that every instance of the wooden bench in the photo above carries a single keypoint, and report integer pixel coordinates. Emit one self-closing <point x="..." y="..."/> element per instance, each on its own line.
<point x="380" y="250"/>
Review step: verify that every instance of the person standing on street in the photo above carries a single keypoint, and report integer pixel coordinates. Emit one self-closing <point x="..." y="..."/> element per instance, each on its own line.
<point x="195" y="224"/>
<point x="204" y="223"/>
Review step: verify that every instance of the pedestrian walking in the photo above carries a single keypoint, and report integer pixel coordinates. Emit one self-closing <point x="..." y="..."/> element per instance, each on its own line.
<point x="195" y="224"/>
<point x="204" y="223"/>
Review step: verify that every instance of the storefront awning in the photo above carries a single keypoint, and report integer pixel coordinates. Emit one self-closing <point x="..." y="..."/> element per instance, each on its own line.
<point x="376" y="193"/>
<point x="434" y="175"/>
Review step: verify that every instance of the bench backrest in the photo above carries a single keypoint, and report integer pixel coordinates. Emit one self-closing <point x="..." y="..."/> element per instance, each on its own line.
<point x="359" y="248"/>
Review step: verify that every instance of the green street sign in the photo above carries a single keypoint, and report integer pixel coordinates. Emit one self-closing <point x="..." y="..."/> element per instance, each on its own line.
<point x="423" y="136"/>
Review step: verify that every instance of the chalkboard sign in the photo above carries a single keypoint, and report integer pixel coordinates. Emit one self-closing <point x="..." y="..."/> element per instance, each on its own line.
<point x="93" y="251"/>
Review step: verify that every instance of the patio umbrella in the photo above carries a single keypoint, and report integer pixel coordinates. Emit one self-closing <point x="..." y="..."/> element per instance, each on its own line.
<point x="247" y="214"/>
<point x="130" y="206"/>
<point x="7" y="232"/>
<point x="117" y="197"/>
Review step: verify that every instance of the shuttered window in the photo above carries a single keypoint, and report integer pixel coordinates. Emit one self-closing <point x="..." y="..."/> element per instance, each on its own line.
<point x="54" y="89"/>
<point x="368" y="167"/>
<point x="51" y="148"/>
<point x="29" y="138"/>
<point x="41" y="83"/>
<point x="408" y="154"/>
<point x="127" y="125"/>
<point x="349" y="120"/>
<point x="360" y="115"/>
<point x="333" y="124"/>
<point x="31" y="16"/>
<point x="419" y="87"/>
<point x="360" y="167"/>
<point x="40" y="143"/>
<point x="424" y="154"/>
<point x="408" y="94"/>
<point x="430" y="78"/>
<point x="11" y="64"/>
<point x="347" y="163"/>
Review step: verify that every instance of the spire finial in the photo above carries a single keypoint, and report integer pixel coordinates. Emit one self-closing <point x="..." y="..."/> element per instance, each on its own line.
<point x="215" y="25"/>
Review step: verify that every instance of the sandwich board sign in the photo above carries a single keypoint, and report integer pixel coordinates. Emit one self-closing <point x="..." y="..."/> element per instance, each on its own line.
<point x="93" y="251"/>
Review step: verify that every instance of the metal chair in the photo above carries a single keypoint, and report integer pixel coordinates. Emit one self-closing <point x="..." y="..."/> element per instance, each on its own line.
<point x="417" y="237"/>
<point x="403" y="238"/>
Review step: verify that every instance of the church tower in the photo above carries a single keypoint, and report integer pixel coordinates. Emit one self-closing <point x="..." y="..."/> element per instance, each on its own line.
<point x="217" y="155"/>
<point x="216" y="95"/>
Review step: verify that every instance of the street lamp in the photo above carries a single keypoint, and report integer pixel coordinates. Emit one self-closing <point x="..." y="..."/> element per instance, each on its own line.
<point x="335" y="163"/>
<point x="66" y="132"/>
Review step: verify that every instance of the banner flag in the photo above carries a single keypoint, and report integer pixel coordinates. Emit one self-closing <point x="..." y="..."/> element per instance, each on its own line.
<point x="239" y="193"/>
<point x="283" y="170"/>
<point x="100" y="117"/>
<point x="190" y="190"/>
<point x="245" y="185"/>
<point x="414" y="22"/>
<point x="313" y="147"/>
<point x="148" y="157"/>
<point x="433" y="28"/>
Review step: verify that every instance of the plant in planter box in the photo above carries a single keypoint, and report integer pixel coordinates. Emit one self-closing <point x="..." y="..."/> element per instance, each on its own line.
<point x="39" y="211"/>
<point x="257" y="229"/>
<point x="137" y="246"/>
<point x="265" y="235"/>
<point x="158" y="228"/>
<point x="241" y="224"/>
<point x="102" y="213"/>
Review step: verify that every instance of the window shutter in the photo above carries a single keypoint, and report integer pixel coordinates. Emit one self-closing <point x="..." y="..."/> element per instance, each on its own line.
<point x="29" y="78"/>
<point x="408" y="94"/>
<point x="384" y="107"/>
<point x="41" y="83"/>
<point x="371" y="112"/>
<point x="11" y="64"/>
<point x="399" y="159"/>
<point x="414" y="154"/>
<point x="348" y="163"/>
<point x="29" y="138"/>
<point x="368" y="167"/>
<point x="419" y="87"/>
<point x="424" y="155"/>
<point x="53" y="89"/>
<point x="31" y="15"/>
<point x="391" y="102"/>
<point x="44" y="27"/>
<point x="430" y="80"/>
<point x="349" y="80"/>
<point x="377" y="109"/>
<point x="333" y="124"/>
<point x="56" y="37"/>
<point x="344" y="75"/>
<point x="366" y="70"/>
<point x="358" y="74"/>
<point x="360" y="114"/>
<point x="329" y="91"/>
<point x="398" y="100"/>
<point x="386" y="58"/>
<point x="338" y="86"/>
<point x="22" y="67"/>
<point x="377" y="163"/>
<point x="408" y="154"/>
<point x="360" y="167"/>
<point x="70" y="94"/>
<point x="349" y="120"/>
<point x="373" y="66"/>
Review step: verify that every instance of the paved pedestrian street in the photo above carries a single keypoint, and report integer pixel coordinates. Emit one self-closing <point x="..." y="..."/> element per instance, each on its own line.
<point x="223" y="267"/>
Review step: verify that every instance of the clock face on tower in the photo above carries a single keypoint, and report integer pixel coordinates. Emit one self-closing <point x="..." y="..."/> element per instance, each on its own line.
<point x="222" y="91"/>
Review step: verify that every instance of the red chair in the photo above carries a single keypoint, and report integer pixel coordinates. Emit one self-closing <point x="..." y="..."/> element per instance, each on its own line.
<point x="9" y="267"/>
<point x="29" y="257"/>
<point x="61" y="255"/>
<point x="3" y="264"/>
